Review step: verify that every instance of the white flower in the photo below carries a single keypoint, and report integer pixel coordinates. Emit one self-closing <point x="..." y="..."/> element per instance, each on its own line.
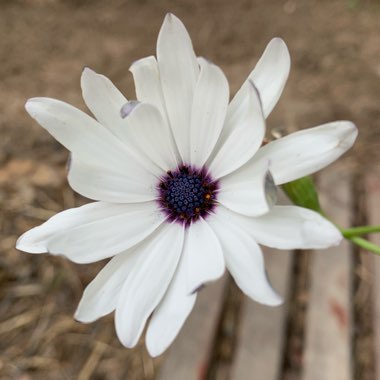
<point x="182" y="184"/>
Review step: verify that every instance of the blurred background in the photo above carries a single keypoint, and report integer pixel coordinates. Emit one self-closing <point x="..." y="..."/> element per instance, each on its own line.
<point x="44" y="45"/>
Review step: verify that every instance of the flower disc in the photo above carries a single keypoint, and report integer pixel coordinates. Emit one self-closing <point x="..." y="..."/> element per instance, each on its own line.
<point x="186" y="194"/>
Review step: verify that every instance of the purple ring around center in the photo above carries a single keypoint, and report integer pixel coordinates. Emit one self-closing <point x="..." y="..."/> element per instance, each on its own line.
<point x="186" y="194"/>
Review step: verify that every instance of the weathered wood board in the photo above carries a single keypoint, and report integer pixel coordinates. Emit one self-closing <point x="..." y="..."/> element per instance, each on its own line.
<point x="373" y="202"/>
<point x="261" y="337"/>
<point x="327" y="353"/>
<point x="188" y="357"/>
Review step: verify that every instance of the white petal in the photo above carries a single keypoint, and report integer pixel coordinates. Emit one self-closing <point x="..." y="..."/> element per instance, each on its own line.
<point x="102" y="98"/>
<point x="103" y="184"/>
<point x="208" y="111"/>
<point x="249" y="191"/>
<point x="145" y="132"/>
<point x="147" y="284"/>
<point x="147" y="83"/>
<point x="87" y="139"/>
<point x="244" y="258"/>
<point x="93" y="232"/>
<point x="203" y="255"/>
<point x="171" y="313"/>
<point x="293" y="227"/>
<point x="178" y="72"/>
<point x="307" y="151"/>
<point x="101" y="295"/>
<point x="244" y="141"/>
<point x="269" y="76"/>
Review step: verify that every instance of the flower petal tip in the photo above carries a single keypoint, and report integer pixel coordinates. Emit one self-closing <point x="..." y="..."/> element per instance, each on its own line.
<point x="87" y="69"/>
<point x="337" y="238"/>
<point x="128" y="108"/>
<point x="154" y="345"/>
<point x="277" y="301"/>
<point x="22" y="244"/>
<point x="281" y="47"/>
<point x="87" y="74"/>
<point x="170" y="17"/>
<point x="32" y="105"/>
<point x="172" y="23"/>
<point x="279" y="41"/>
<point x="154" y="350"/>
<point x="324" y="232"/>
<point x="272" y="300"/>
<point x="126" y="342"/>
<point x="142" y="62"/>
<point x="168" y="20"/>
<point x="349" y="135"/>
<point x="79" y="316"/>
<point x="126" y="337"/>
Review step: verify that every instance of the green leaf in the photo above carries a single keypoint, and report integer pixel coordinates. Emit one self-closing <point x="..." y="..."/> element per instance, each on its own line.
<point x="302" y="192"/>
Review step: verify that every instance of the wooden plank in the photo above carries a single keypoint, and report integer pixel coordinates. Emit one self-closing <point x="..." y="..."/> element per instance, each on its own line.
<point x="328" y="326"/>
<point x="188" y="357"/>
<point x="373" y="201"/>
<point x="261" y="336"/>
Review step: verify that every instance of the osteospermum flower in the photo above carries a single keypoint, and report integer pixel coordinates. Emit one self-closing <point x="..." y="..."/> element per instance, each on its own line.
<point x="182" y="184"/>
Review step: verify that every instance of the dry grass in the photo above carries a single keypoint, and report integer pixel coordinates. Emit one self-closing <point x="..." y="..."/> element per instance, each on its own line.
<point x="38" y="336"/>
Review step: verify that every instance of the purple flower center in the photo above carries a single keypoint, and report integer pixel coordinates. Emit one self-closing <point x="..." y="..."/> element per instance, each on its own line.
<point x="187" y="194"/>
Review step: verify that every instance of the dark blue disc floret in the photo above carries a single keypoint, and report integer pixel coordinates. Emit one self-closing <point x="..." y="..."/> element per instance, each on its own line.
<point x="186" y="194"/>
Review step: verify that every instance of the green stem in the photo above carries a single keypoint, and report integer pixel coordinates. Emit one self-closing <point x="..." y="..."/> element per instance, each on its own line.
<point x="357" y="231"/>
<point x="363" y="243"/>
<point x="352" y="233"/>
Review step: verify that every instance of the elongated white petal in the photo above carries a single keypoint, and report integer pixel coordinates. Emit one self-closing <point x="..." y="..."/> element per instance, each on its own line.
<point x="307" y="151"/>
<point x="171" y="313"/>
<point x="244" y="140"/>
<point x="178" y="73"/>
<point x="147" y="83"/>
<point x="269" y="76"/>
<point x="289" y="227"/>
<point x="36" y="239"/>
<point x="208" y="112"/>
<point x="203" y="255"/>
<point x="147" y="284"/>
<point x="93" y="232"/>
<point x="102" y="98"/>
<point x="101" y="295"/>
<point x="293" y="227"/>
<point x="145" y="132"/>
<point x="87" y="139"/>
<point x="103" y="184"/>
<point x="244" y="258"/>
<point x="249" y="190"/>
